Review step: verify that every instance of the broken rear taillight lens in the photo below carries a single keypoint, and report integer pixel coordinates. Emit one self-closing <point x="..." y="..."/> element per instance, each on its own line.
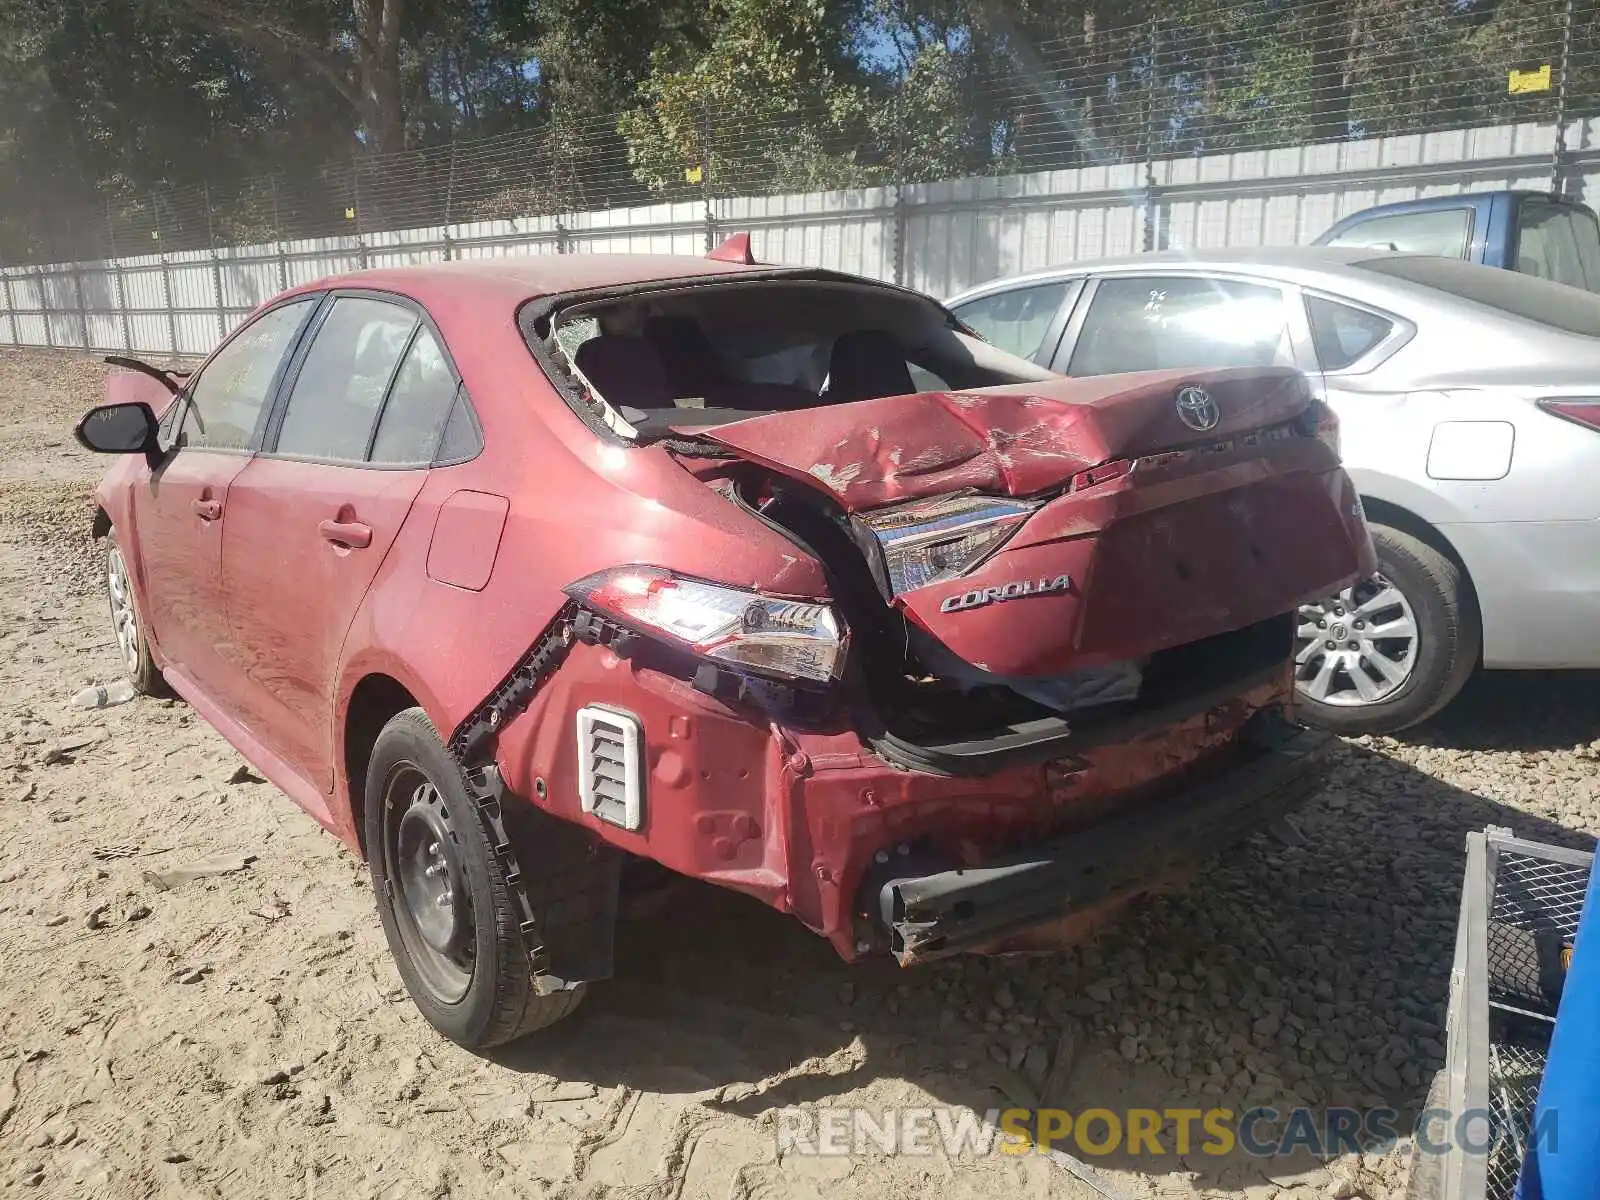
<point x="1584" y="410"/>
<point x="797" y="639"/>
<point x="930" y="541"/>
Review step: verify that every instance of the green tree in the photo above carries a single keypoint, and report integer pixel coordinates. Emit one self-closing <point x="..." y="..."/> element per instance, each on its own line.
<point x="776" y="100"/>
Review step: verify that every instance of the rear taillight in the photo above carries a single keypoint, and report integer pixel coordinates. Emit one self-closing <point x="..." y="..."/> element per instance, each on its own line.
<point x="1321" y="422"/>
<point x="795" y="639"/>
<point x="1583" y="411"/>
<point x="930" y="541"/>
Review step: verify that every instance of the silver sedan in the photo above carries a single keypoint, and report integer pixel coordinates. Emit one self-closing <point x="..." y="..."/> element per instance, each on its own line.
<point x="1468" y="401"/>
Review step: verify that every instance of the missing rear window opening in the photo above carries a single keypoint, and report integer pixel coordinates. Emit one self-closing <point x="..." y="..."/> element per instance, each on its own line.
<point x="680" y="358"/>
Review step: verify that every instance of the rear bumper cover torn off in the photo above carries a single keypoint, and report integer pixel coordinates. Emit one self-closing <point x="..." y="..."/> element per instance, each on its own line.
<point x="946" y="912"/>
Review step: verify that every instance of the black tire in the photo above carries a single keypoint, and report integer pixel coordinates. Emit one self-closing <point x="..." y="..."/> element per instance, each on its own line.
<point x="138" y="665"/>
<point x="1449" y="637"/>
<point x="481" y="992"/>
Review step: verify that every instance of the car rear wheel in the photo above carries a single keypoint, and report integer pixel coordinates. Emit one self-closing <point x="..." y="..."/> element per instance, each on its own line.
<point x="446" y="908"/>
<point x="1391" y="651"/>
<point x="133" y="645"/>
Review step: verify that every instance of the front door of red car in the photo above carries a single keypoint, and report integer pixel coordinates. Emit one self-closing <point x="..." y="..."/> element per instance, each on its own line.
<point x="181" y="508"/>
<point x="311" y="519"/>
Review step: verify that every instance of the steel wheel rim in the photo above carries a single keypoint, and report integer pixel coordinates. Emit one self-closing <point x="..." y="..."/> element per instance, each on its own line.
<point x="1357" y="648"/>
<point x="124" y="618"/>
<point x="428" y="885"/>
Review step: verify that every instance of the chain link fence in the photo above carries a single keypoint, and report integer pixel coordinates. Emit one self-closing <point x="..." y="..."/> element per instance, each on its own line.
<point x="1145" y="81"/>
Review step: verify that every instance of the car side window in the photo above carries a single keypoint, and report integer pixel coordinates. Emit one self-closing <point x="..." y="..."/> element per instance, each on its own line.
<point x="1342" y="334"/>
<point x="1154" y="323"/>
<point x="1015" y="320"/>
<point x="224" y="402"/>
<point x="1441" y="231"/>
<point x="418" y="405"/>
<point x="1548" y="244"/>
<point x="346" y="374"/>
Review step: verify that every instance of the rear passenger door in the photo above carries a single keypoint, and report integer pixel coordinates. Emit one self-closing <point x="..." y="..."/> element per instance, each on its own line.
<point x="313" y="515"/>
<point x="1025" y="320"/>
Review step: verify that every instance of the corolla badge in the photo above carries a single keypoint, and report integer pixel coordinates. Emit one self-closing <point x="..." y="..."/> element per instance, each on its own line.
<point x="1197" y="409"/>
<point x="978" y="597"/>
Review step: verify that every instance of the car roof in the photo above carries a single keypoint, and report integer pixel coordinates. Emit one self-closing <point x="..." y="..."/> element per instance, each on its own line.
<point x="1302" y="264"/>
<point x="512" y="279"/>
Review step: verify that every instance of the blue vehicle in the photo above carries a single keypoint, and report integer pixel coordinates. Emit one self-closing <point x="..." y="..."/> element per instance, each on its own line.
<point x="1536" y="233"/>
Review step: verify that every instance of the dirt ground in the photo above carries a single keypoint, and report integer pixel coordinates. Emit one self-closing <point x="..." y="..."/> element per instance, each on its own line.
<point x="244" y="1034"/>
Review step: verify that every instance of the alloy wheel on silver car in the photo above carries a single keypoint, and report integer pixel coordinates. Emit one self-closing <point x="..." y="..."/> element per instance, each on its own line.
<point x="1359" y="647"/>
<point x="123" y="616"/>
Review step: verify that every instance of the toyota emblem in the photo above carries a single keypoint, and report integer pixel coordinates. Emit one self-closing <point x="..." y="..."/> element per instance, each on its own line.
<point x="1197" y="409"/>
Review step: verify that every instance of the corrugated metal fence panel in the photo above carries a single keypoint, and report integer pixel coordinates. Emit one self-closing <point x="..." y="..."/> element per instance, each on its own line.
<point x="938" y="237"/>
<point x="143" y="288"/>
<point x="150" y="335"/>
<point x="196" y="333"/>
<point x="193" y="285"/>
<point x="251" y="277"/>
<point x="25" y="293"/>
<point x="840" y="230"/>
<point x="647" y="229"/>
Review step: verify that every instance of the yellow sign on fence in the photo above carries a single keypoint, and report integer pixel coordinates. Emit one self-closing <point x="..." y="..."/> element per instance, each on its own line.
<point x="693" y="174"/>
<point x="1521" y="82"/>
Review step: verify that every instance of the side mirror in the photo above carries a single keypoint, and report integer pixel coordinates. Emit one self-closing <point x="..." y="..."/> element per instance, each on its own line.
<point x="119" y="429"/>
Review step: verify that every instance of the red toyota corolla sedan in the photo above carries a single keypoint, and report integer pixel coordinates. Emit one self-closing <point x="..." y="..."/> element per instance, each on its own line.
<point x="509" y="570"/>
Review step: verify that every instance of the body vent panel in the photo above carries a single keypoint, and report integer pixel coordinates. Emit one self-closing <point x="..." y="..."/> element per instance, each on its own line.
<point x="610" y="757"/>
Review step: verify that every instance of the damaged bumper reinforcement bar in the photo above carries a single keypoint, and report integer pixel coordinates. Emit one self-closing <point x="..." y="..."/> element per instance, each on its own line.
<point x="931" y="916"/>
<point x="566" y="906"/>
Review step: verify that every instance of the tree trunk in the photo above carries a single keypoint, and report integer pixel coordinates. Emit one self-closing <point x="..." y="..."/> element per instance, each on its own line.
<point x="1331" y="23"/>
<point x="382" y="104"/>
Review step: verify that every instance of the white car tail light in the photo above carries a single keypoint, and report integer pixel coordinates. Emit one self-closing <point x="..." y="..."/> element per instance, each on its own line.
<point x="796" y="639"/>
<point x="930" y="541"/>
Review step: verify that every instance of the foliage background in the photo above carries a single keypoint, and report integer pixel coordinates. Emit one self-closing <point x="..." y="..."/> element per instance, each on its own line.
<point x="129" y="125"/>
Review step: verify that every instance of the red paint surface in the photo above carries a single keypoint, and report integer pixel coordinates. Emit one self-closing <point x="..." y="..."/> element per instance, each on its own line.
<point x="269" y="627"/>
<point x="132" y="387"/>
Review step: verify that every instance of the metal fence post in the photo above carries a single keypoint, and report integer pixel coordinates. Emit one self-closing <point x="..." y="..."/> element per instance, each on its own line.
<point x="166" y="278"/>
<point x="11" y="307"/>
<point x="705" y="178"/>
<point x="44" y="308"/>
<point x="361" y="241"/>
<point x="83" y="309"/>
<point x="898" y="236"/>
<point x="277" y="232"/>
<point x="216" y="266"/>
<point x="115" y="264"/>
<point x="449" y="196"/>
<point x="1148" y="234"/>
<point x="1558" y="157"/>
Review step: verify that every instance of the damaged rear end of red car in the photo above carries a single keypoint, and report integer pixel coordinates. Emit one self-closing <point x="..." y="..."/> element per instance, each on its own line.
<point x="1049" y="671"/>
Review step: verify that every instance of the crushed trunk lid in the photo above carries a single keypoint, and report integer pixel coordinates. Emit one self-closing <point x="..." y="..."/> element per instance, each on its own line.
<point x="1185" y="533"/>
<point x="1014" y="440"/>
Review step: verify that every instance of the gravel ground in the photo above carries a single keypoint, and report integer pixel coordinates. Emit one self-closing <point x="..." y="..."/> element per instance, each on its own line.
<point x="245" y="1034"/>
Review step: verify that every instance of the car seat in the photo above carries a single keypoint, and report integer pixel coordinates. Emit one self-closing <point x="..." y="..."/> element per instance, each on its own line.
<point x="867" y="364"/>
